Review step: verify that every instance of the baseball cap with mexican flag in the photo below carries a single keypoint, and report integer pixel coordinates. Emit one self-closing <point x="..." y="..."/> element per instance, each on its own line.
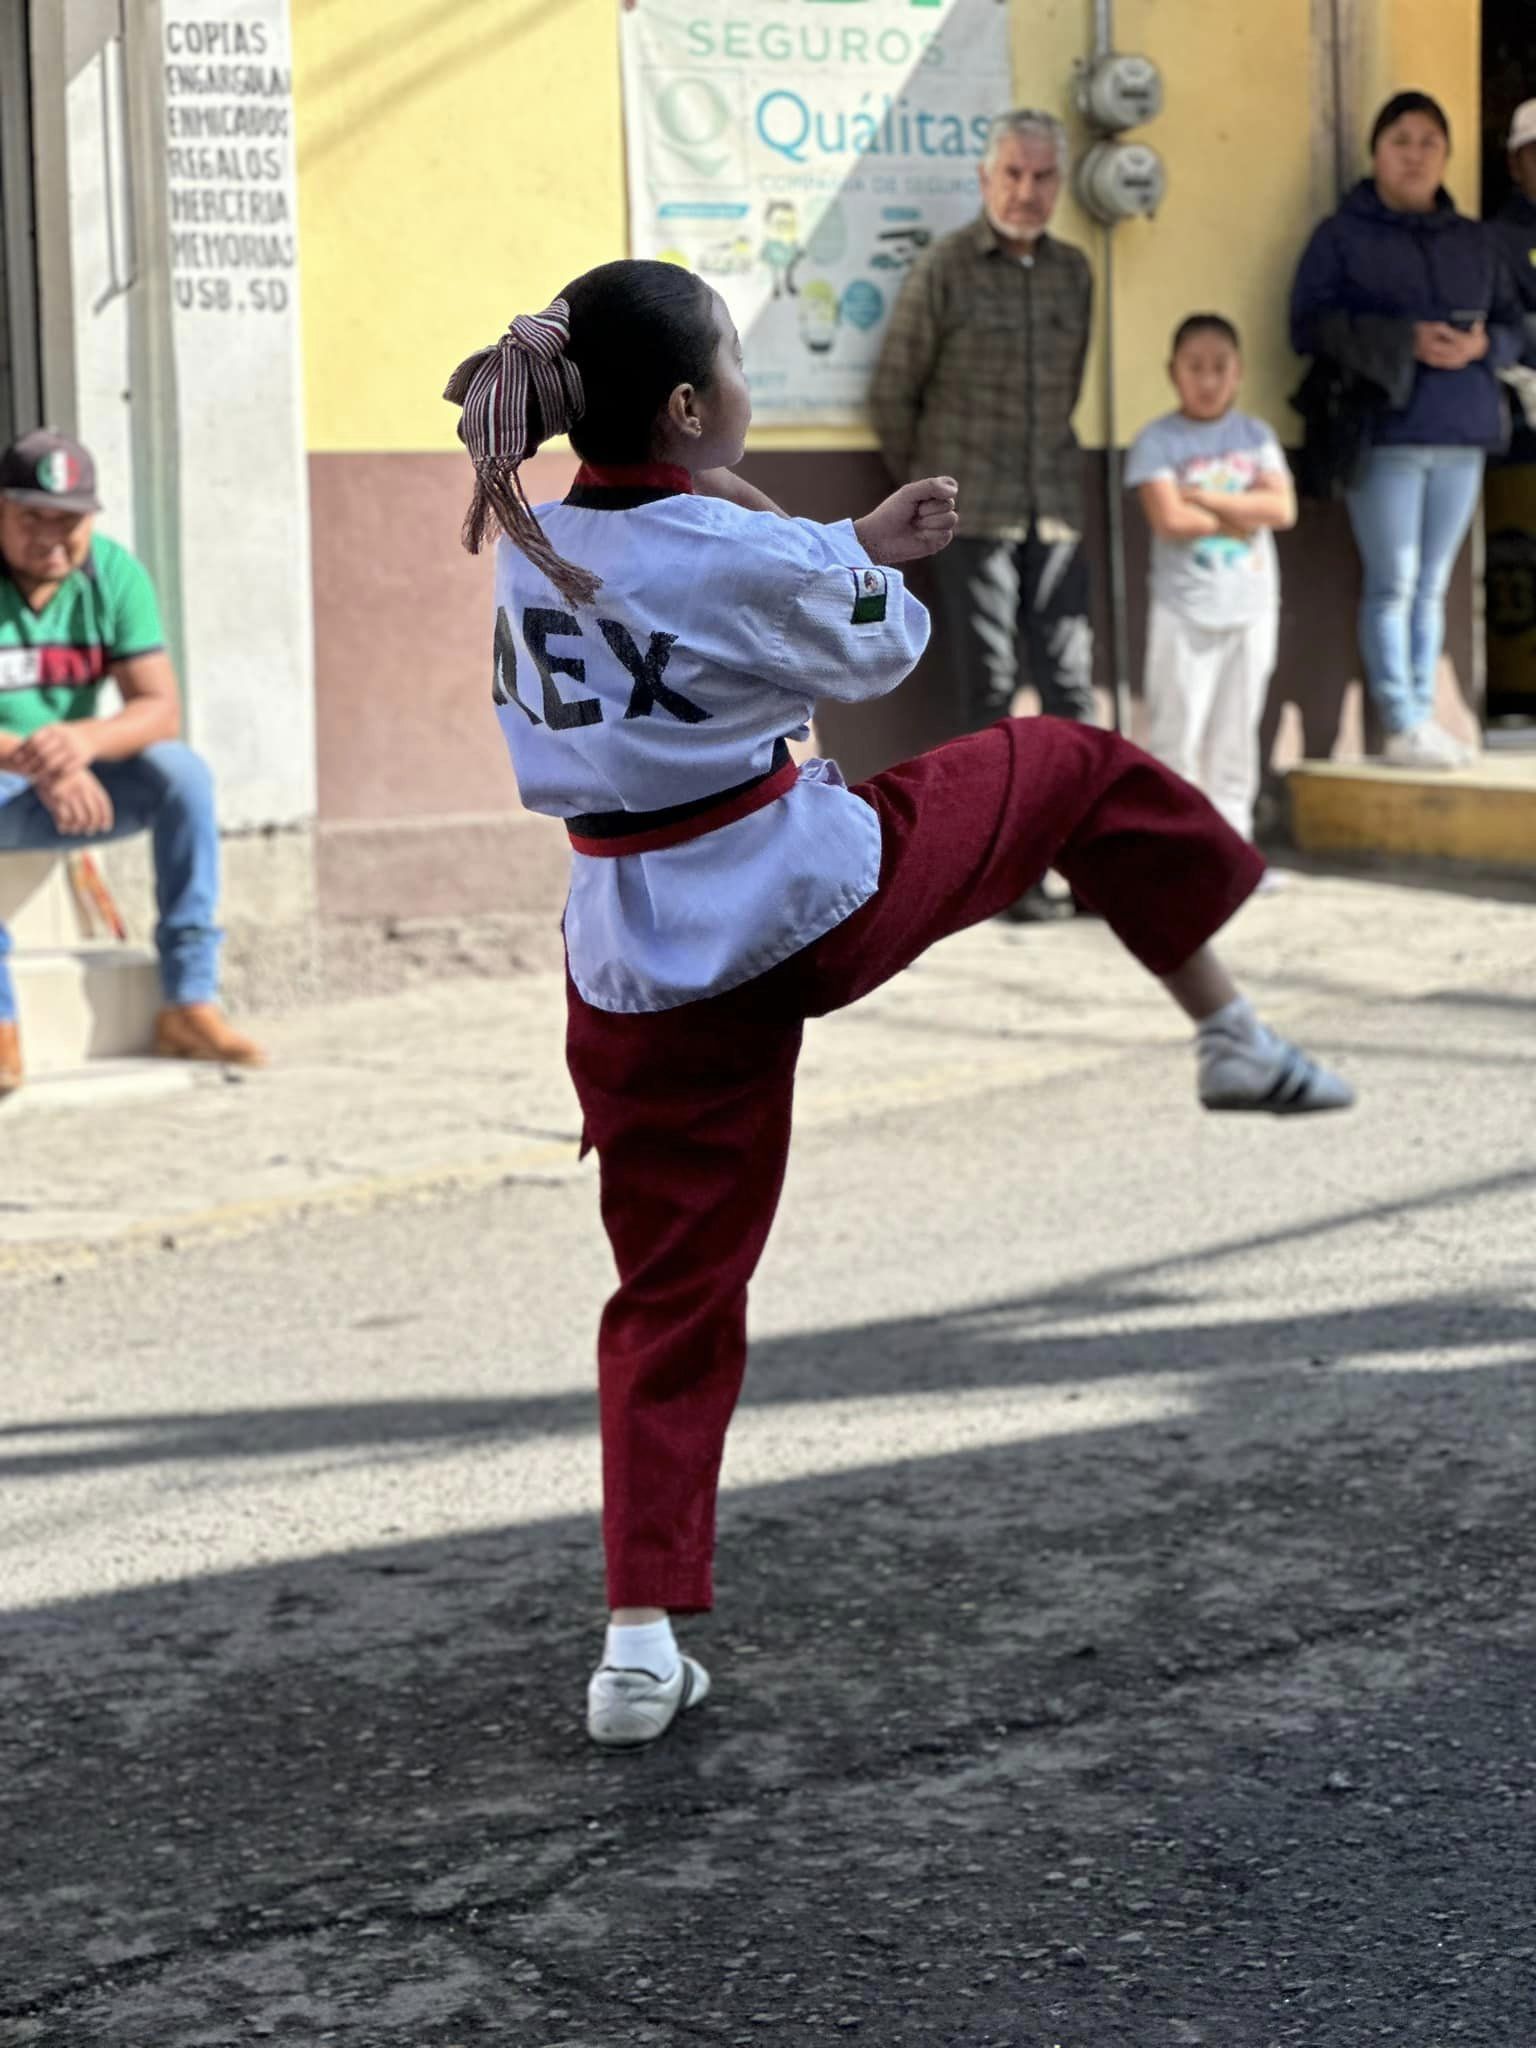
<point x="46" y="469"/>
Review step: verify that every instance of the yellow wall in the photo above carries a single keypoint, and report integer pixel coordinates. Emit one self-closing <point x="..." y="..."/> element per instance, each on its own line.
<point x="1235" y="139"/>
<point x="459" y="160"/>
<point x="1432" y="46"/>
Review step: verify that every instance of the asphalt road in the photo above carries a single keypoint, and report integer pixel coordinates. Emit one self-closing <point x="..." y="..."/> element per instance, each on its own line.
<point x="1126" y="1619"/>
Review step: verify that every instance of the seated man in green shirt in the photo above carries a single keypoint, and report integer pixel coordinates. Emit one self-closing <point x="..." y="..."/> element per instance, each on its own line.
<point x="76" y="609"/>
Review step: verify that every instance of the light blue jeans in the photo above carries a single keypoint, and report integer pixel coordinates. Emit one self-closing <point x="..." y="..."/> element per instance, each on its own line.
<point x="1410" y="511"/>
<point x="166" y="791"/>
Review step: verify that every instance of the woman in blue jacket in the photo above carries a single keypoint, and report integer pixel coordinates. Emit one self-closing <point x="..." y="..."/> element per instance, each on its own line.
<point x="1412" y="302"/>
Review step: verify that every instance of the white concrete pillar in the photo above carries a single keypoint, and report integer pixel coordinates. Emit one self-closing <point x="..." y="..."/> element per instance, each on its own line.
<point x="169" y="295"/>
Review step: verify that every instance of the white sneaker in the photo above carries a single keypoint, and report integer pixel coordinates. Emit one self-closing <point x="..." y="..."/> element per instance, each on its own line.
<point x="1422" y="746"/>
<point x="1269" y="1074"/>
<point x="628" y="1708"/>
<point x="1465" y="755"/>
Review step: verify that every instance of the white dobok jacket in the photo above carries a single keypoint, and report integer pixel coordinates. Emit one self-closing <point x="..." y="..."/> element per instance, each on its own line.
<point x="713" y="635"/>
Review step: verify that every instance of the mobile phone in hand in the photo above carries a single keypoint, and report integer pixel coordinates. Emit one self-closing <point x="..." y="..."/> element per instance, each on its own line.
<point x="1465" y="321"/>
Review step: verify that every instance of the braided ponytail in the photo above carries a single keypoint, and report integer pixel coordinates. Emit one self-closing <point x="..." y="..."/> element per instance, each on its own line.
<point x="511" y="397"/>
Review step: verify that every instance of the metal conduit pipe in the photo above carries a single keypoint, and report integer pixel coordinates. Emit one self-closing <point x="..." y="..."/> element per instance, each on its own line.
<point x="1114" y="509"/>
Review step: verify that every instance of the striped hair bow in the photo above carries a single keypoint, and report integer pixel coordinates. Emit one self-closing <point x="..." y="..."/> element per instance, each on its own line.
<point x="492" y="388"/>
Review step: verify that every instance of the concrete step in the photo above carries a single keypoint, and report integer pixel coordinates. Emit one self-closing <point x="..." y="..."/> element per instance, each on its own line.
<point x="84" y="1002"/>
<point x="1483" y="816"/>
<point x="82" y="998"/>
<point x="37" y="905"/>
<point x="104" y="1083"/>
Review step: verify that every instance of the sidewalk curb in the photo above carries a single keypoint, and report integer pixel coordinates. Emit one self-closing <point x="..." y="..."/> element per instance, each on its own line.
<point x="231" y="1220"/>
<point x="862" y="1095"/>
<point x="552" y="1160"/>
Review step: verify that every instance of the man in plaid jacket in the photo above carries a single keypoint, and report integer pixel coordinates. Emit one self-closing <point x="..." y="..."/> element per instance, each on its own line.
<point x="978" y="379"/>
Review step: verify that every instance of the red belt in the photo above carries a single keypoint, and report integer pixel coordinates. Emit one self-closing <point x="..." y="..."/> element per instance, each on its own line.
<point x="649" y="831"/>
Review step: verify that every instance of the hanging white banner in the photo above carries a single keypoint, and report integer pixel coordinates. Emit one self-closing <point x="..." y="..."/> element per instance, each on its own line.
<point x="800" y="154"/>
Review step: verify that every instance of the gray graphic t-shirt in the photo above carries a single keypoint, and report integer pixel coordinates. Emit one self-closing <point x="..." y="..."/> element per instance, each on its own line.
<point x="1214" y="581"/>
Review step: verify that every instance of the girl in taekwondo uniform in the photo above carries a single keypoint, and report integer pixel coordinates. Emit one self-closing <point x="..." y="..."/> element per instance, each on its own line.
<point x="660" y="635"/>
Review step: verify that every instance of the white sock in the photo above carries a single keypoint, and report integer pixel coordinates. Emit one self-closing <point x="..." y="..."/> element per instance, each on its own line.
<point x="1235" y="1020"/>
<point x="645" y="1646"/>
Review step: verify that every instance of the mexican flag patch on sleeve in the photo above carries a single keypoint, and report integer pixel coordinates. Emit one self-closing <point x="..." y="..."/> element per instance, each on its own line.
<point x="868" y="596"/>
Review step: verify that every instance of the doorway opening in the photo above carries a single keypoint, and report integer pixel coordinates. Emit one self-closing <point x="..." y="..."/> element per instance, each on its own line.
<point x="1509" y="505"/>
<point x="20" y="384"/>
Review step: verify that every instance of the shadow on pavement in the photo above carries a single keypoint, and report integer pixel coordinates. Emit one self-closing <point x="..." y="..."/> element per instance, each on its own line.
<point x="1217" y="1731"/>
<point x="1009" y="1343"/>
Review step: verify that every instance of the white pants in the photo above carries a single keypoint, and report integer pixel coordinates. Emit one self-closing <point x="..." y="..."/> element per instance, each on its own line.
<point x="1206" y="689"/>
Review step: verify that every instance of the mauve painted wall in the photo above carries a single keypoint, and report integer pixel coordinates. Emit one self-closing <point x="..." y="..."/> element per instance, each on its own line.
<point x="1320" y="585"/>
<point x="403" y="623"/>
<point x="403" y="630"/>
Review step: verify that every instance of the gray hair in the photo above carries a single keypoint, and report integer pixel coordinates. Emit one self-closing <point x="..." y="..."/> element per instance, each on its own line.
<point x="1033" y="125"/>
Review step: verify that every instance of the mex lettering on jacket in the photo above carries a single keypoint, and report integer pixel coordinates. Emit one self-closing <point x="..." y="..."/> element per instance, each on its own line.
<point x="541" y="624"/>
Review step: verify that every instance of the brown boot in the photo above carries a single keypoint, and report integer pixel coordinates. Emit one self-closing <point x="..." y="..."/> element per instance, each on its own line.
<point x="10" y="1059"/>
<point x="201" y="1031"/>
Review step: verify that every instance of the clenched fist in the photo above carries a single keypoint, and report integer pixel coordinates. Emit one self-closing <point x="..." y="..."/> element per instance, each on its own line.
<point x="915" y="521"/>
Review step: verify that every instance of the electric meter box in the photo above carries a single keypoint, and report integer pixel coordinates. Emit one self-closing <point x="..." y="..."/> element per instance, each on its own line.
<point x="1117" y="92"/>
<point x="1120" y="181"/>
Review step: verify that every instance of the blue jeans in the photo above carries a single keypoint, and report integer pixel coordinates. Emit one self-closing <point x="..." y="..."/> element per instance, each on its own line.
<point x="1410" y="511"/>
<point x="168" y="792"/>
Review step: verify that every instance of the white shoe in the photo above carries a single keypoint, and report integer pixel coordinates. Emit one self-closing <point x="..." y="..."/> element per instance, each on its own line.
<point x="1422" y="746"/>
<point x="1266" y="1073"/>
<point x="628" y="1708"/>
<point x="1465" y="755"/>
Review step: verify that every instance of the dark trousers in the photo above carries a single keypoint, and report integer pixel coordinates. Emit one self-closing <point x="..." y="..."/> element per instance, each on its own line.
<point x="689" y="1109"/>
<point x="991" y="597"/>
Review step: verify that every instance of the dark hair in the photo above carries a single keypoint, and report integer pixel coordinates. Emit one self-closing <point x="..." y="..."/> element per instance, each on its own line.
<point x="1205" y="323"/>
<point x="1410" y="103"/>
<point x="638" y="330"/>
<point x="598" y="363"/>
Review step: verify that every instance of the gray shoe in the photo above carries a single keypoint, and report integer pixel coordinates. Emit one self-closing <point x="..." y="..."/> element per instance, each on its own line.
<point x="1268" y="1074"/>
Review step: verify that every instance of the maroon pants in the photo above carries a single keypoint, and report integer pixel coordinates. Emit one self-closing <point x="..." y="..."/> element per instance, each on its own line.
<point x="689" y="1109"/>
